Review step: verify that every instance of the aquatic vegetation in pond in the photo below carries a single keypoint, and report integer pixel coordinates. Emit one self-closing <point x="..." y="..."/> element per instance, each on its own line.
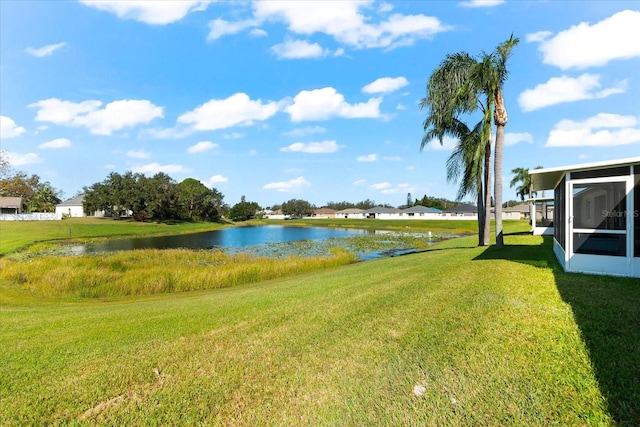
<point x="365" y="246"/>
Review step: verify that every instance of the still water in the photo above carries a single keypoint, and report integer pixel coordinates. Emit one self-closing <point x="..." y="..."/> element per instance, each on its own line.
<point x="228" y="238"/>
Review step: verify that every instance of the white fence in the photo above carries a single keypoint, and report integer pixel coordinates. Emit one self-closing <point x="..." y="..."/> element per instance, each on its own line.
<point x="34" y="216"/>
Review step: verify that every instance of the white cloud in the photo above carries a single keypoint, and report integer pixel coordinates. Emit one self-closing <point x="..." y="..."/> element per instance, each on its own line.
<point x="538" y="37"/>
<point x="299" y="132"/>
<point x="360" y="182"/>
<point x="566" y="89"/>
<point x="601" y="130"/>
<point x="512" y="138"/>
<point x="322" y="147"/>
<point x="238" y="109"/>
<point x="56" y="143"/>
<point x="297" y="49"/>
<point x="388" y="188"/>
<point x="17" y="159"/>
<point x="43" y="51"/>
<point x="325" y="103"/>
<point x="585" y="45"/>
<point x="220" y="27"/>
<point x="448" y="144"/>
<point x="253" y="152"/>
<point x="385" y="7"/>
<point x="114" y="116"/>
<point x="202" y="146"/>
<point x="258" y="32"/>
<point x="291" y="186"/>
<point x="385" y="85"/>
<point x="345" y="22"/>
<point x="168" y="133"/>
<point x="481" y="3"/>
<point x="381" y="186"/>
<point x="367" y="158"/>
<point x="217" y="179"/>
<point x="149" y="12"/>
<point x="138" y="154"/>
<point x="233" y="135"/>
<point x="9" y="128"/>
<point x="153" y="168"/>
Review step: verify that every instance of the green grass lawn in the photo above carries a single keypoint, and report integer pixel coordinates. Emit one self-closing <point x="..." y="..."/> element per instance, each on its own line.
<point x="458" y="335"/>
<point x="17" y="235"/>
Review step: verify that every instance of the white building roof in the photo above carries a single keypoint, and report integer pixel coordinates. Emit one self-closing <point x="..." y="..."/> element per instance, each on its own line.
<point x="548" y="178"/>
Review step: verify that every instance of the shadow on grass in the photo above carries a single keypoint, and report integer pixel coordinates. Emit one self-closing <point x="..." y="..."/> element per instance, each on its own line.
<point x="607" y="311"/>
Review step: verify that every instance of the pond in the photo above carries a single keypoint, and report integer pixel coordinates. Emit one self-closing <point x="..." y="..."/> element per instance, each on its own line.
<point x="225" y="238"/>
<point x="276" y="241"/>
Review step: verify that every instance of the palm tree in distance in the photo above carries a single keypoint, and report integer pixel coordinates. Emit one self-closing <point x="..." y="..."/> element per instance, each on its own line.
<point x="522" y="181"/>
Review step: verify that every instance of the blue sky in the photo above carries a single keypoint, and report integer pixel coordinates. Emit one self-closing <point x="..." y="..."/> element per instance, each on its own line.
<point x="314" y="100"/>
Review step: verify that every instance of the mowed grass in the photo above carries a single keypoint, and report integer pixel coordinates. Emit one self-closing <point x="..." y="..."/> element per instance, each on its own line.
<point x="458" y="335"/>
<point x="17" y="235"/>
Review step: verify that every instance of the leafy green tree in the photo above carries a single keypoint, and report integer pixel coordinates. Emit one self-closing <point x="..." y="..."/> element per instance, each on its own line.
<point x="162" y="197"/>
<point x="198" y="201"/>
<point x="297" y="207"/>
<point x="37" y="196"/>
<point x="366" y="204"/>
<point x="340" y="206"/>
<point x="243" y="210"/>
<point x="157" y="198"/>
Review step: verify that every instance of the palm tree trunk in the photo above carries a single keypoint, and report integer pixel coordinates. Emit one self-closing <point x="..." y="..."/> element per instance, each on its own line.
<point x="500" y="118"/>
<point x="498" y="185"/>
<point x="480" y="197"/>
<point x="487" y="195"/>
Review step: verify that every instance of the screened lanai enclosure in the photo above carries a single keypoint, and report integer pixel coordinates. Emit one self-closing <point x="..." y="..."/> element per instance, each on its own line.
<point x="596" y="215"/>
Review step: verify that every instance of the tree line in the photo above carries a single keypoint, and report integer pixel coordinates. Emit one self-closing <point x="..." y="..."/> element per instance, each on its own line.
<point x="37" y="195"/>
<point x="161" y="198"/>
<point x="157" y="198"/>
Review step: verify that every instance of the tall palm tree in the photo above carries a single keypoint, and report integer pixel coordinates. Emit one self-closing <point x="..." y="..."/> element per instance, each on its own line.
<point x="453" y="89"/>
<point x="500" y="117"/>
<point x="463" y="84"/>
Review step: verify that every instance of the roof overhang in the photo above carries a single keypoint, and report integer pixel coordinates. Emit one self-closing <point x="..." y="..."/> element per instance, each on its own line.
<point x="548" y="178"/>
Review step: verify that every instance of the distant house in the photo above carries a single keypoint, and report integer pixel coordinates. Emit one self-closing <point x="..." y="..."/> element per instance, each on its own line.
<point x="350" y="213"/>
<point x="324" y="213"/>
<point x="10" y="205"/>
<point x="271" y="214"/>
<point x="420" y="212"/>
<point x="380" y="212"/>
<point x="519" y="211"/>
<point x="596" y="215"/>
<point x="466" y="210"/>
<point x="73" y="208"/>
